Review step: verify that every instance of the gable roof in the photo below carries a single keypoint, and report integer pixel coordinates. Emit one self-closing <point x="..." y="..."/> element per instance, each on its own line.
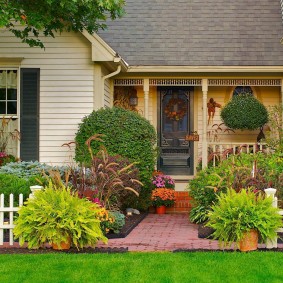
<point x="198" y="33"/>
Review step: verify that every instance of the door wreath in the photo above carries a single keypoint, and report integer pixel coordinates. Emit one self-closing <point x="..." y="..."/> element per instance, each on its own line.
<point x="176" y="109"/>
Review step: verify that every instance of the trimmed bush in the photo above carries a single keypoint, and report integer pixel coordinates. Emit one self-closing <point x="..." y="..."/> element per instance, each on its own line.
<point x="126" y="133"/>
<point x="244" y="112"/>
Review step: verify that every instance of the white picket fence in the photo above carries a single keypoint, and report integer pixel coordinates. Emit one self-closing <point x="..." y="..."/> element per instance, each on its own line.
<point x="10" y="211"/>
<point x="8" y="223"/>
<point x="272" y="243"/>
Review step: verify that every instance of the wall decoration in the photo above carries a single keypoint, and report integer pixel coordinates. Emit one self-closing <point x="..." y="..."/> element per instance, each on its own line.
<point x="211" y="107"/>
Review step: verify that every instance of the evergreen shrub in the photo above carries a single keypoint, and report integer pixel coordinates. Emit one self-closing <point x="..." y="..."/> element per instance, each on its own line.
<point x="126" y="133"/>
<point x="244" y="111"/>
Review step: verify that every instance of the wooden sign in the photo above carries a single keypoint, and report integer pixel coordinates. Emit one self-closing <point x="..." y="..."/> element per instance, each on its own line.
<point x="193" y="137"/>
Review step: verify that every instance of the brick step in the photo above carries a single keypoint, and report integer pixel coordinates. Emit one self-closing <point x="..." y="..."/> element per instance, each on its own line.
<point x="182" y="204"/>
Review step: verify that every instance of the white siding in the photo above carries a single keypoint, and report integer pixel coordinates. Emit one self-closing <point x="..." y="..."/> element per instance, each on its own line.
<point x="66" y="87"/>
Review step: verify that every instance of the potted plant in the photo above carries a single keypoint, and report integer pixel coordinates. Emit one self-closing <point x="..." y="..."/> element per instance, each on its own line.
<point x="244" y="111"/>
<point x="162" y="197"/>
<point x="57" y="215"/>
<point x="244" y="217"/>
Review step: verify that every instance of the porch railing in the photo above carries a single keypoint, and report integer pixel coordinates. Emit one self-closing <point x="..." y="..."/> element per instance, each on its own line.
<point x="219" y="151"/>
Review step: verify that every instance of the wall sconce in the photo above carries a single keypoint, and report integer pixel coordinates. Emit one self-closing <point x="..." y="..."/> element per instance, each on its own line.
<point x="133" y="100"/>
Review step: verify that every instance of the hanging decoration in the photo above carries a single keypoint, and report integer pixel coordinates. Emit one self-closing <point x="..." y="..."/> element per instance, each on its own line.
<point x="176" y="109"/>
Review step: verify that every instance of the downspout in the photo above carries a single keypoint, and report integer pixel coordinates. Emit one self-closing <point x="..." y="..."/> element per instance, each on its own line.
<point x="107" y="77"/>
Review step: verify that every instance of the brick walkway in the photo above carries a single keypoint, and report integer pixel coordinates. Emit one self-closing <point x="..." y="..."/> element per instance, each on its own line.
<point x="166" y="232"/>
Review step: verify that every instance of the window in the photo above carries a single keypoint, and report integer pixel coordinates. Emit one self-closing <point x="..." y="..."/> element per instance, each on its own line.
<point x="8" y="92"/>
<point x="243" y="90"/>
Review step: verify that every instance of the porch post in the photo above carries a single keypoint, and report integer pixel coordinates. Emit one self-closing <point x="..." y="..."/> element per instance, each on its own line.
<point x="281" y="102"/>
<point x="204" y="122"/>
<point x="146" y="97"/>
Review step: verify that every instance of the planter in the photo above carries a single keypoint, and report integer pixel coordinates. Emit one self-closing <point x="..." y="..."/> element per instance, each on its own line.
<point x="160" y="209"/>
<point x="249" y="241"/>
<point x="63" y="245"/>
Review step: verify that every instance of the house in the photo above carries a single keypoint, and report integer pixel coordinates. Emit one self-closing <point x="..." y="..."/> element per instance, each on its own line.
<point x="176" y="62"/>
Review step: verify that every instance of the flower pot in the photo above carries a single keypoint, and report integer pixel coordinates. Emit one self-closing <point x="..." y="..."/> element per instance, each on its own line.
<point x="63" y="245"/>
<point x="249" y="241"/>
<point x="160" y="209"/>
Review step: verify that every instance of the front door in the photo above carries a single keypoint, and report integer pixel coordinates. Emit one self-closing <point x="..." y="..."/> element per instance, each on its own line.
<point x="174" y="123"/>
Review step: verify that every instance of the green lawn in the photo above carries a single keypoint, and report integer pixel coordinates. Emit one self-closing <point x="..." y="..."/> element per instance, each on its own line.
<point x="197" y="267"/>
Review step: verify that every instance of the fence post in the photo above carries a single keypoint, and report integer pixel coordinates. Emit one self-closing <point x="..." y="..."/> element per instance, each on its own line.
<point x="1" y="219"/>
<point x="270" y="192"/>
<point x="34" y="189"/>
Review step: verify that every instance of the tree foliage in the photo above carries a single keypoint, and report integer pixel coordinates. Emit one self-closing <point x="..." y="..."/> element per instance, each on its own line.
<point x="28" y="20"/>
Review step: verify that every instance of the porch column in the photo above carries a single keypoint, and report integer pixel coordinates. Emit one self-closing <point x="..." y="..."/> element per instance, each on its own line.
<point x="146" y="97"/>
<point x="281" y="102"/>
<point x="204" y="122"/>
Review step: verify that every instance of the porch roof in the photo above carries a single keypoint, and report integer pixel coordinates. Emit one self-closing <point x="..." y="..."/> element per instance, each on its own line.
<point x="198" y="33"/>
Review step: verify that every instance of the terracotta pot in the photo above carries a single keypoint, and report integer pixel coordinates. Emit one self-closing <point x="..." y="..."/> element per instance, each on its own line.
<point x="63" y="245"/>
<point x="249" y="241"/>
<point x="160" y="209"/>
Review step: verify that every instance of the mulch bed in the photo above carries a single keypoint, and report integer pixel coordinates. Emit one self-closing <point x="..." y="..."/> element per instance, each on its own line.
<point x="130" y="223"/>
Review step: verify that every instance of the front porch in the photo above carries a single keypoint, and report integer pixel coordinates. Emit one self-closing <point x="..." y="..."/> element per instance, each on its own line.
<point x="213" y="135"/>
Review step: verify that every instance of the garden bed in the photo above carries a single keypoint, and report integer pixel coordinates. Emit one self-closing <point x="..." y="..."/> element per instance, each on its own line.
<point x="130" y="223"/>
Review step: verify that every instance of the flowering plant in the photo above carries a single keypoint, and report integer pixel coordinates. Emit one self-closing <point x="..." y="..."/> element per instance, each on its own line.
<point x="163" y="181"/>
<point x="6" y="158"/>
<point x="163" y="196"/>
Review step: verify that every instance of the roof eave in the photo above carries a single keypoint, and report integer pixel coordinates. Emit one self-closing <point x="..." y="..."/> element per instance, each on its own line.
<point x="202" y="69"/>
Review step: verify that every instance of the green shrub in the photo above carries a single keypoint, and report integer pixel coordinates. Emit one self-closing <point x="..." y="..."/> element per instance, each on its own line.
<point x="27" y="169"/>
<point x="244" y="111"/>
<point x="54" y="215"/>
<point x="234" y="172"/>
<point x="11" y="184"/>
<point x="127" y="134"/>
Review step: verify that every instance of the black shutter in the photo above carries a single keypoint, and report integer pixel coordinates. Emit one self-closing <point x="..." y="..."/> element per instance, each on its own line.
<point x="29" y="117"/>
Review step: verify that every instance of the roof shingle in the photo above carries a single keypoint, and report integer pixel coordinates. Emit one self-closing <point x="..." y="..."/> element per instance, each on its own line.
<point x="198" y="33"/>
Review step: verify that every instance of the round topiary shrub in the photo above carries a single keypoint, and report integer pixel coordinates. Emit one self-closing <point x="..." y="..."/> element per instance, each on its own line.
<point x="125" y="133"/>
<point x="244" y="111"/>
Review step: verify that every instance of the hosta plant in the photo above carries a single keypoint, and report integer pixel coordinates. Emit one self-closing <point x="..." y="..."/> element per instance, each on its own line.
<point x="54" y="215"/>
<point x="237" y="213"/>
